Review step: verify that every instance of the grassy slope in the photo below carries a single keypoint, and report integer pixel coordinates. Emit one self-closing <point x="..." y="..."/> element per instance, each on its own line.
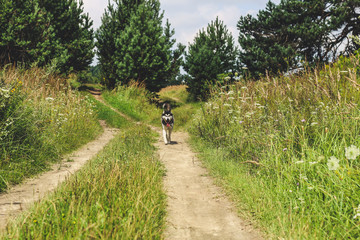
<point x="183" y="108"/>
<point x="271" y="144"/>
<point x="40" y="119"/>
<point x="117" y="195"/>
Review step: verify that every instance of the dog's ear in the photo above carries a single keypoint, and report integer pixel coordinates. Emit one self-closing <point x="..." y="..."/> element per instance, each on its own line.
<point x="167" y="107"/>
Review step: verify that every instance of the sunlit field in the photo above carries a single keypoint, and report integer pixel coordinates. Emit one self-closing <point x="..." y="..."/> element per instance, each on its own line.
<point x="288" y="150"/>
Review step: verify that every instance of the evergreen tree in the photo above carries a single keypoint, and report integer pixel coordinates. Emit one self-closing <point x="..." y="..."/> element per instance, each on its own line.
<point x="282" y="36"/>
<point x="73" y="32"/>
<point x="212" y="53"/>
<point x="45" y="32"/>
<point x="133" y="45"/>
<point x="23" y="32"/>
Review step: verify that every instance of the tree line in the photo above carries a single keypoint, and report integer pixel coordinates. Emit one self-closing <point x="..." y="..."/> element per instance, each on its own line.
<point x="133" y="42"/>
<point x="46" y="33"/>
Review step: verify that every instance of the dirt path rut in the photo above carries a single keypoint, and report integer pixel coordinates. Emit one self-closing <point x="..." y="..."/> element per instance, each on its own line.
<point x="197" y="208"/>
<point x="22" y="196"/>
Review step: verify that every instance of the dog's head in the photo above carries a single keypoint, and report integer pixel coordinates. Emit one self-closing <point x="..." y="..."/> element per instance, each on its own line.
<point x="167" y="108"/>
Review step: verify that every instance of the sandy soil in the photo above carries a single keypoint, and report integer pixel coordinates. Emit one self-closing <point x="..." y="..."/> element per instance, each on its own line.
<point x="21" y="196"/>
<point x="197" y="208"/>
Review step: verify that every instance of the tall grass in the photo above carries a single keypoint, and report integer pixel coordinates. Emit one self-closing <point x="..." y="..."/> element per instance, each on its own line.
<point x="40" y="119"/>
<point x="290" y="138"/>
<point x="182" y="106"/>
<point x="117" y="195"/>
<point x="134" y="101"/>
<point x="104" y="112"/>
<point x="177" y="94"/>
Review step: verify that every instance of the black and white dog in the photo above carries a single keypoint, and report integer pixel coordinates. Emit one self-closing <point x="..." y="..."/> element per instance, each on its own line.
<point x="167" y="122"/>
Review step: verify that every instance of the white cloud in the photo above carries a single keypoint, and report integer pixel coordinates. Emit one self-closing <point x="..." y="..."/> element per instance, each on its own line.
<point x="96" y="9"/>
<point x="187" y="17"/>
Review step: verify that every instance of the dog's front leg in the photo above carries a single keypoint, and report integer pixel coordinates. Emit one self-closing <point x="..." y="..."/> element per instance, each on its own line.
<point x="169" y="136"/>
<point x="165" y="136"/>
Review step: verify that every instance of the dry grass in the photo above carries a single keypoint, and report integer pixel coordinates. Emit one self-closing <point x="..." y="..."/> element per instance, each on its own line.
<point x="173" y="88"/>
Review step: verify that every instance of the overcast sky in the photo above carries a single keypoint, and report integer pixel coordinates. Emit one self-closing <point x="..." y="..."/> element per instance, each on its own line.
<point x="187" y="17"/>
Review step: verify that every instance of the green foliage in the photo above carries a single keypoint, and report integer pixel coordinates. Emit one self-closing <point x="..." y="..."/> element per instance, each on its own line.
<point x="23" y="33"/>
<point x="134" y="101"/>
<point x="20" y="138"/>
<point x="285" y="137"/>
<point x="212" y="53"/>
<point x="40" y="119"/>
<point x="106" y="113"/>
<point x="117" y="195"/>
<point x="133" y="45"/>
<point x="282" y="37"/>
<point x="45" y="32"/>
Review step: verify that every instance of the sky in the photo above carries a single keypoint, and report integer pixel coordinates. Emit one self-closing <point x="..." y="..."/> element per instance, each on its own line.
<point x="187" y="17"/>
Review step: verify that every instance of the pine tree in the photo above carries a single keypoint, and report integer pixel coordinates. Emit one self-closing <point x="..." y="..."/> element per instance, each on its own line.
<point x="212" y="53"/>
<point x="22" y="28"/>
<point x="133" y="45"/>
<point x="73" y="33"/>
<point x="45" y="32"/>
<point x="283" y="36"/>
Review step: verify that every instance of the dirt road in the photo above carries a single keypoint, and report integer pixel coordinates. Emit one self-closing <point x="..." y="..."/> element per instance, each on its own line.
<point x="197" y="208"/>
<point x="21" y="196"/>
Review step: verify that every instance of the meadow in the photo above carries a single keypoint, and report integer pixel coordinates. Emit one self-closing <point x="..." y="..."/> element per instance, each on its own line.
<point x="287" y="150"/>
<point x="116" y="195"/>
<point x="41" y="118"/>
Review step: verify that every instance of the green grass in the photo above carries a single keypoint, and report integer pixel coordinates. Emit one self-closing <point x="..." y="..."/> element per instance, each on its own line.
<point x="104" y="112"/>
<point x="272" y="143"/>
<point x="177" y="94"/>
<point x="124" y="105"/>
<point x="183" y="109"/>
<point x="117" y="195"/>
<point x="134" y="101"/>
<point x="40" y="119"/>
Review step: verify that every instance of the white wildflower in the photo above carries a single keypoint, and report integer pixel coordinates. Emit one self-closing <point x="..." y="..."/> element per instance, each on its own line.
<point x="230" y="93"/>
<point x="333" y="163"/>
<point x="303" y="177"/>
<point x="352" y="152"/>
<point x="357" y="212"/>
